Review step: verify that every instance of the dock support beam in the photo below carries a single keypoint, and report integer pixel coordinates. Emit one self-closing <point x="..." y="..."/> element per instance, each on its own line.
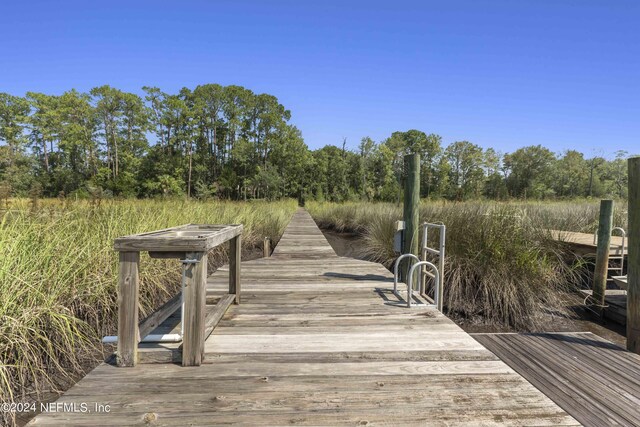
<point x="128" y="333"/>
<point x="605" y="224"/>
<point x="633" y="263"/>
<point x="195" y="300"/>
<point x="411" y="213"/>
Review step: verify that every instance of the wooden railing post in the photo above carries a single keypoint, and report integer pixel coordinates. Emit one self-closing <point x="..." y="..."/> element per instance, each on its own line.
<point x="266" y="247"/>
<point x="128" y="333"/>
<point x="411" y="212"/>
<point x="633" y="263"/>
<point x="235" y="255"/>
<point x="195" y="299"/>
<point x="605" y="223"/>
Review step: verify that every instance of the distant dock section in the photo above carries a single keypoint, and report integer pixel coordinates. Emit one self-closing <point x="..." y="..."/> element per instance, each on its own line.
<point x="585" y="243"/>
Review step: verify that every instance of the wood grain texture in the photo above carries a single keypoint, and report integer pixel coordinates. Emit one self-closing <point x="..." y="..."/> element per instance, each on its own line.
<point x="317" y="340"/>
<point x="266" y="247"/>
<point x="592" y="379"/>
<point x="235" y="257"/>
<point x="584" y="241"/>
<point x="633" y="265"/>
<point x="616" y="305"/>
<point x="185" y="238"/>
<point x="411" y="209"/>
<point x="213" y="316"/>
<point x="194" y="310"/>
<point x="605" y="224"/>
<point x="128" y="332"/>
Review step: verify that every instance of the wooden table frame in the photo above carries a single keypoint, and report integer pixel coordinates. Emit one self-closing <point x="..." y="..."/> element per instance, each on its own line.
<point x="192" y="242"/>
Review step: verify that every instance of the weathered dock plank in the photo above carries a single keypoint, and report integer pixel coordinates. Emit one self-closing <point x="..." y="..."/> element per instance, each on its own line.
<point x="586" y="243"/>
<point x="615" y="305"/>
<point x="594" y="380"/>
<point x="318" y="340"/>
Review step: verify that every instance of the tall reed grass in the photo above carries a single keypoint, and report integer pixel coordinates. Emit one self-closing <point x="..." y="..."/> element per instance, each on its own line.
<point x="502" y="266"/>
<point x="580" y="215"/>
<point x="58" y="276"/>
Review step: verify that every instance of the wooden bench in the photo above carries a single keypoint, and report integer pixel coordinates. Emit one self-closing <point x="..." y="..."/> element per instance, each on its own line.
<point x="192" y="242"/>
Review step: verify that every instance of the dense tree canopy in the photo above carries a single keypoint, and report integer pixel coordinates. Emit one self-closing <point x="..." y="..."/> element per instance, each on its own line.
<point x="228" y="142"/>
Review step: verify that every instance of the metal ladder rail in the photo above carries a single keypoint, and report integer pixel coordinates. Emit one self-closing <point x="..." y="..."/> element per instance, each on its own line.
<point x="421" y="286"/>
<point x="396" y="266"/>
<point x="437" y="275"/>
<point x="622" y="248"/>
<point x="439" y="253"/>
<point x="437" y="300"/>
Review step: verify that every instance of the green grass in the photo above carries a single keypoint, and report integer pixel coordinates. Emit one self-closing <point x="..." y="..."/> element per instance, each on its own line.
<point x="58" y="276"/>
<point x="502" y="267"/>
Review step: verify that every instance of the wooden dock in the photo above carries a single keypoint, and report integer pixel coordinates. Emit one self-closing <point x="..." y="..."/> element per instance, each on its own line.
<point x="317" y="340"/>
<point x="584" y="242"/>
<point x="594" y="380"/>
<point x="615" y="304"/>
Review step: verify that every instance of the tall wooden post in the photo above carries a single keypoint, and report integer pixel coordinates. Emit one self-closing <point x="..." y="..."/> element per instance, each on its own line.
<point x="235" y="256"/>
<point x="128" y="333"/>
<point x="605" y="224"/>
<point x="411" y="211"/>
<point x="195" y="299"/>
<point x="633" y="263"/>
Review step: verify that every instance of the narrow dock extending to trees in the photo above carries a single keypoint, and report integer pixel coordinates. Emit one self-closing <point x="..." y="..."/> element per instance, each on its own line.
<point x="317" y="339"/>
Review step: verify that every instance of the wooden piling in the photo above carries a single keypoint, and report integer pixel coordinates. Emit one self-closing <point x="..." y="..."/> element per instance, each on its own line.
<point x="235" y="256"/>
<point x="633" y="260"/>
<point x="605" y="224"/>
<point x="411" y="211"/>
<point x="266" y="247"/>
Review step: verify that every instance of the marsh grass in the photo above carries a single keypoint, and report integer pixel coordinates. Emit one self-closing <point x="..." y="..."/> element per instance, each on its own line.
<point x="58" y="276"/>
<point x="580" y="216"/>
<point x="502" y="266"/>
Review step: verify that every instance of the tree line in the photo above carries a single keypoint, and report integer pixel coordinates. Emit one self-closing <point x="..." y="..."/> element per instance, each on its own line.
<point x="229" y="142"/>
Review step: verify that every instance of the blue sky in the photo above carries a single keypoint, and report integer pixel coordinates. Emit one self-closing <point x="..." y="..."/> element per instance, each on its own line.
<point x="501" y="74"/>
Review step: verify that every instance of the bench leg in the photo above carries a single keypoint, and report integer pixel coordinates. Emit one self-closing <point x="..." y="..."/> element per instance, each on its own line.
<point x="195" y="299"/>
<point x="128" y="333"/>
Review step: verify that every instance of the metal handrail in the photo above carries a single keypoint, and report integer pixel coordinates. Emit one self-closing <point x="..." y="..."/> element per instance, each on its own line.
<point x="395" y="269"/>
<point x="437" y="302"/>
<point x="438" y="276"/>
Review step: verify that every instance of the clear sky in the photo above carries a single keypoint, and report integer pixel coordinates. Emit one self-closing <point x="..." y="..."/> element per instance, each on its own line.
<point x="500" y="73"/>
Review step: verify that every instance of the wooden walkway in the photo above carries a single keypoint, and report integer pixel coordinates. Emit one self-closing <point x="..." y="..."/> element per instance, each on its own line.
<point x="584" y="242"/>
<point x="594" y="380"/>
<point x="318" y="340"/>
